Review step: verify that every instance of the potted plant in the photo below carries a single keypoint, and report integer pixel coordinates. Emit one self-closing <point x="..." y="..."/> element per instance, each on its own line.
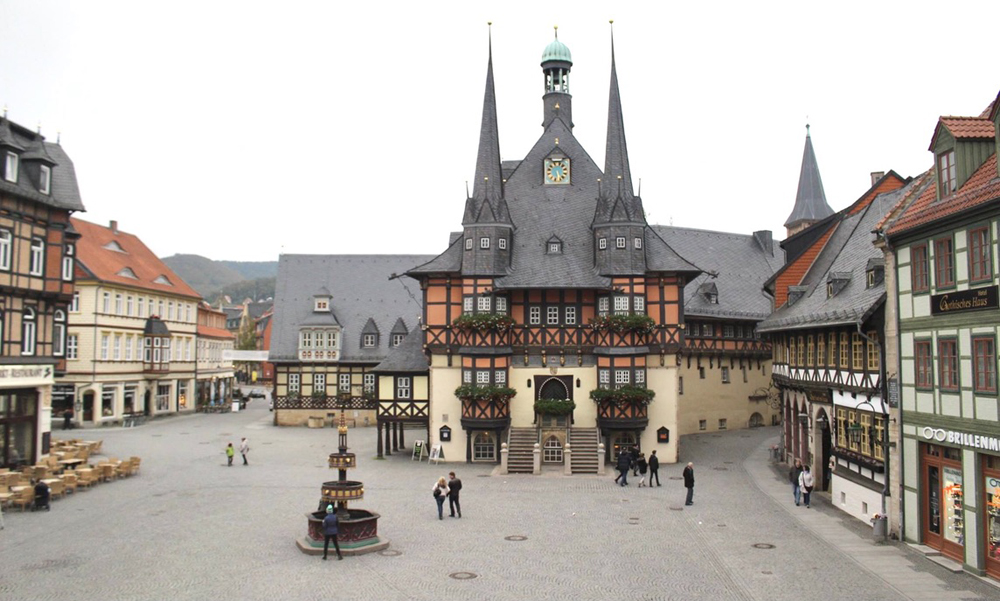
<point x="621" y="324"/>
<point x="554" y="406"/>
<point x="624" y="396"/>
<point x="484" y="322"/>
<point x="497" y="394"/>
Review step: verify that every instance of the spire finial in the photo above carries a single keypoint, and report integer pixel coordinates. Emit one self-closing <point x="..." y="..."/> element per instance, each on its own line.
<point x="556" y="28"/>
<point x="58" y="136"/>
<point x="39" y="128"/>
<point x="5" y="110"/>
<point x="807" y="128"/>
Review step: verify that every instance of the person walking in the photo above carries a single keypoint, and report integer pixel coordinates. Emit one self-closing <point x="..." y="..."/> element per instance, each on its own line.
<point x="330" y="531"/>
<point x="806" y="483"/>
<point x="689" y="483"/>
<point x="624" y="459"/>
<point x="230" y="452"/>
<point x="634" y="452"/>
<point x="793" y="477"/>
<point x="454" y="487"/>
<point x="244" y="449"/>
<point x="440" y="491"/>
<point x="654" y="468"/>
<point x="641" y="462"/>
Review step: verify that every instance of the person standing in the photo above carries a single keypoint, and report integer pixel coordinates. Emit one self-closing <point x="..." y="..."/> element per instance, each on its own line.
<point x="641" y="462"/>
<point x="634" y="459"/>
<point x="454" y="487"/>
<point x="654" y="468"/>
<point x="244" y="449"/>
<point x="230" y="452"/>
<point x="440" y="491"/>
<point x="689" y="483"/>
<point x="68" y="419"/>
<point x="793" y="477"/>
<point x="624" y="459"/>
<point x="806" y="483"/>
<point x="330" y="531"/>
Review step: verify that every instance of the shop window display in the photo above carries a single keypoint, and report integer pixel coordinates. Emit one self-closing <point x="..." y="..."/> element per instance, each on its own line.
<point x="992" y="488"/>
<point x="954" y="527"/>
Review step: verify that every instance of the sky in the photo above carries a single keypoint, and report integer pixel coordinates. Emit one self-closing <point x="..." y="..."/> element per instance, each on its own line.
<point x="245" y="130"/>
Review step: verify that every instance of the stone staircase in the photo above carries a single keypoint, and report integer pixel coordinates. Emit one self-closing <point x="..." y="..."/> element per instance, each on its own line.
<point x="520" y="450"/>
<point x="583" y="443"/>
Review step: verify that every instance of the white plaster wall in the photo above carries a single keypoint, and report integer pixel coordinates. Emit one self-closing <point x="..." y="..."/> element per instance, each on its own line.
<point x="853" y="497"/>
<point x="445" y="408"/>
<point x="663" y="409"/>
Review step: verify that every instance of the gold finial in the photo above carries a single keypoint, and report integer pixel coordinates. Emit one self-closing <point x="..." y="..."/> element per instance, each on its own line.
<point x="612" y="21"/>
<point x="486" y="178"/>
<point x="557" y="106"/>
<point x="489" y="23"/>
<point x="619" y="177"/>
<point x="556" y="27"/>
<point x="557" y="139"/>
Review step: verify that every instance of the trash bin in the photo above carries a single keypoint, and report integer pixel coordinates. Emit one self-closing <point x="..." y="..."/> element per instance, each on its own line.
<point x="880" y="527"/>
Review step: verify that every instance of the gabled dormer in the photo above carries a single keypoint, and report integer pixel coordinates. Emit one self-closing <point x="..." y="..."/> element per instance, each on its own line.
<point x="369" y="335"/>
<point x="710" y="292"/>
<point x="554" y="246"/>
<point x="322" y="301"/>
<point x="10" y="153"/>
<point x="960" y="146"/>
<point x="795" y="293"/>
<point x="836" y="282"/>
<point x="37" y="165"/>
<point x="398" y="333"/>
<point x="874" y="273"/>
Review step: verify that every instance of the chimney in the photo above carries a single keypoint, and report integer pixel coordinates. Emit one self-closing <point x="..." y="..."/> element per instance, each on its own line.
<point x="114" y="227"/>
<point x="763" y="237"/>
<point x="877" y="175"/>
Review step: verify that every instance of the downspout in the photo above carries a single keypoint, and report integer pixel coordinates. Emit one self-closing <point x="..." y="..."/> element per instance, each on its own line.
<point x="885" y="414"/>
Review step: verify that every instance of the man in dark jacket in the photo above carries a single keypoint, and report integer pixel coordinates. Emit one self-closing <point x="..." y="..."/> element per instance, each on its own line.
<point x="689" y="483"/>
<point x="330" y="530"/>
<point x="623" y="465"/>
<point x="654" y="468"/>
<point x="454" y="487"/>
<point x="793" y="477"/>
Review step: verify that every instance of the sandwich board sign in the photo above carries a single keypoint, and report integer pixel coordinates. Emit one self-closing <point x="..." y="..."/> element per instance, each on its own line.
<point x="436" y="454"/>
<point x="419" y="450"/>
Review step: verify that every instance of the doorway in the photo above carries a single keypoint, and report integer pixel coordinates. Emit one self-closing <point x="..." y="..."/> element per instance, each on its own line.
<point x="942" y="514"/>
<point x="88" y="406"/>
<point x="824" y="432"/>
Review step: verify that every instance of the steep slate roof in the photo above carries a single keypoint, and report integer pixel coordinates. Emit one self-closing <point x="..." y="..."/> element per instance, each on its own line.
<point x="847" y="252"/>
<point x="64" y="191"/>
<point x="740" y="264"/>
<point x="983" y="187"/>
<point x="810" y="199"/>
<point x="256" y="310"/>
<point x="361" y="290"/>
<point x="105" y="265"/>
<point x="408" y="357"/>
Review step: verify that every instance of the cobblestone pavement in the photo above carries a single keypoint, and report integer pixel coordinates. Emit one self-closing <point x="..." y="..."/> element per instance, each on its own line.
<point x="188" y="527"/>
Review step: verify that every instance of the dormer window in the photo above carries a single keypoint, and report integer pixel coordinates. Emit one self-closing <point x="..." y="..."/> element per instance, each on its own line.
<point x="162" y="279"/>
<point x="10" y="167"/>
<point x="397" y="339"/>
<point x="369" y="340"/>
<point x="946" y="173"/>
<point x="113" y="245"/>
<point x="44" y="178"/>
<point x="710" y="292"/>
<point x="126" y="272"/>
<point x="322" y="304"/>
<point x="875" y="273"/>
<point x="553" y="246"/>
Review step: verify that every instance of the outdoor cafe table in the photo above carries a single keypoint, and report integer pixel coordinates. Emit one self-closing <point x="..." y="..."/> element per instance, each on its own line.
<point x="69" y="462"/>
<point x="108" y="470"/>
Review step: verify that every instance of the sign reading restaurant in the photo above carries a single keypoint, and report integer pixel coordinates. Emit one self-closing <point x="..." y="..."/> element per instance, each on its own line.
<point x="964" y="300"/>
<point x="976" y="441"/>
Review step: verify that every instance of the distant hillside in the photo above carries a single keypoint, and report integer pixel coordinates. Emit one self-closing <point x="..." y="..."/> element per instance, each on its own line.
<point x="238" y="279"/>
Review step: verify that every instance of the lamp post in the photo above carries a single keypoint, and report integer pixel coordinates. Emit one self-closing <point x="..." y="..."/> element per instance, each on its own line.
<point x="854" y="435"/>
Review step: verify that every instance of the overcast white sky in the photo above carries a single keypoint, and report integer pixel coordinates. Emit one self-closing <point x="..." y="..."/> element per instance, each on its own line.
<point x="241" y="130"/>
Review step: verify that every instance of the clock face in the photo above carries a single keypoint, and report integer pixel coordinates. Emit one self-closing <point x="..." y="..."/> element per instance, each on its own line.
<point x="557" y="171"/>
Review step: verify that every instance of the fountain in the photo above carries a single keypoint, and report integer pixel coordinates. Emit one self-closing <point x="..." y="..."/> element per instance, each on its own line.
<point x="358" y="527"/>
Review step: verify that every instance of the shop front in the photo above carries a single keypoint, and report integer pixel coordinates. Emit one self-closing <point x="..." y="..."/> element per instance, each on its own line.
<point x="25" y="413"/>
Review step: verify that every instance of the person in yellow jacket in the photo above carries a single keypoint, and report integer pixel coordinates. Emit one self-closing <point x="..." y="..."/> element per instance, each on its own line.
<point x="230" y="452"/>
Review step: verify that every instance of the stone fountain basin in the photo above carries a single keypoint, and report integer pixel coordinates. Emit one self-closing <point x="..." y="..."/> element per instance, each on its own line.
<point x="358" y="533"/>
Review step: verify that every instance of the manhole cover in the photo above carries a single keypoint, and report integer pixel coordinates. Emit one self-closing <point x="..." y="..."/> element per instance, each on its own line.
<point x="516" y="537"/>
<point x="763" y="546"/>
<point x="676" y="509"/>
<point x="720" y="469"/>
<point x="676" y="478"/>
<point x="389" y="553"/>
<point x="463" y="575"/>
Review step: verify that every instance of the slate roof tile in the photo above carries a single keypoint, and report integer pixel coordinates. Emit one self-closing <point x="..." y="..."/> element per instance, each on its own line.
<point x="408" y="357"/>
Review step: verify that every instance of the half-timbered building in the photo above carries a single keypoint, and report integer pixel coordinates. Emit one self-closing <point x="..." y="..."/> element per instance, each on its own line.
<point x="38" y="193"/>
<point x="943" y="249"/>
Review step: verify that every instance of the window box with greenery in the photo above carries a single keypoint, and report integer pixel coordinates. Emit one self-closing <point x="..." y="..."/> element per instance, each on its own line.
<point x="621" y="324"/>
<point x="624" y="396"/>
<point x="554" y="406"/>
<point x="496" y="394"/>
<point x="484" y="322"/>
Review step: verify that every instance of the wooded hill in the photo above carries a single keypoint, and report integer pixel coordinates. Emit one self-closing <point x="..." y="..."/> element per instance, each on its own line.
<point x="237" y="279"/>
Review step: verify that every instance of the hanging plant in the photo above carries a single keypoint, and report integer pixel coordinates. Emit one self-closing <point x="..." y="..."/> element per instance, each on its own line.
<point x="484" y="322"/>
<point x="624" y="396"/>
<point x="620" y="324"/>
<point x="554" y="406"/>
<point x="470" y="392"/>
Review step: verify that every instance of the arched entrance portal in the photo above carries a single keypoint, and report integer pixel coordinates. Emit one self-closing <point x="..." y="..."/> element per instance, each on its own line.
<point x="823" y="431"/>
<point x="554" y="389"/>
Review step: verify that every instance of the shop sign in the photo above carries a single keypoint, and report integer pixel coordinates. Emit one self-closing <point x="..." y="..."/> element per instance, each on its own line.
<point x="964" y="300"/>
<point x="26" y="375"/>
<point x="965" y="439"/>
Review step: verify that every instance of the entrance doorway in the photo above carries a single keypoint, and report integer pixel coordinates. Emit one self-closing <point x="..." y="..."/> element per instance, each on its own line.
<point x="824" y="432"/>
<point x="554" y="388"/>
<point x="943" y="519"/>
<point x="88" y="406"/>
<point x="991" y="496"/>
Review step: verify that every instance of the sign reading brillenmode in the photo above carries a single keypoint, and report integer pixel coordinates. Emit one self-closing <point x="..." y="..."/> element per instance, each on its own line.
<point x="977" y="299"/>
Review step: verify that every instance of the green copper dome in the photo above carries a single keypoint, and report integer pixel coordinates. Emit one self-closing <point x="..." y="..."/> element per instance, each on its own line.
<point x="557" y="51"/>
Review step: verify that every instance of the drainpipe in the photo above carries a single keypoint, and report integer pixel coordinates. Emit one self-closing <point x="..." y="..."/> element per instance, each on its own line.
<point x="885" y="415"/>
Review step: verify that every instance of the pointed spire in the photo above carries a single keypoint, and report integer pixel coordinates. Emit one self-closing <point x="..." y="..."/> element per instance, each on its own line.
<point x="616" y="156"/>
<point x="810" y="200"/>
<point x="488" y="183"/>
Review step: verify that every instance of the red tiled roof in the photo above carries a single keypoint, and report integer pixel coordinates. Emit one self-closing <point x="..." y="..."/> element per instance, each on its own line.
<point x="906" y="199"/>
<point x="982" y="187"/>
<point x="964" y="128"/>
<point x="215" y="332"/>
<point x="106" y="264"/>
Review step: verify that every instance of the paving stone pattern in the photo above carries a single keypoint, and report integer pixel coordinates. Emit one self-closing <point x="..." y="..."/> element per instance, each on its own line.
<point x="188" y="527"/>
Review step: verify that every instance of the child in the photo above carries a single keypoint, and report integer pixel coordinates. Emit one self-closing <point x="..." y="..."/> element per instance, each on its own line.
<point x="230" y="452"/>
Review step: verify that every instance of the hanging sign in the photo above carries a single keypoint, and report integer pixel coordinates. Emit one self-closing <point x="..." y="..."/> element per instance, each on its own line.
<point x="964" y="300"/>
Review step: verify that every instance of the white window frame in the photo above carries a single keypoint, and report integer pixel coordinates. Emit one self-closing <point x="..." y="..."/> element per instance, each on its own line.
<point x="29" y="331"/>
<point x="502" y="243"/>
<point x="468" y="305"/>
<point x="369" y="383"/>
<point x="128" y="348"/>
<point x="37" y="257"/>
<point x="344" y="383"/>
<point x="482" y="376"/>
<point x="72" y="346"/>
<point x="368" y="341"/>
<point x="306" y="339"/>
<point x="639" y="304"/>
<point x="140" y="306"/>
<point x="535" y="315"/>
<point x="58" y="333"/>
<point x="484" y="243"/>
<point x="402" y="387"/>
<point x="501" y="304"/>
<point x="67" y="263"/>
<point x="466" y="376"/>
<point x="74" y="305"/>
<point x="105" y="346"/>
<point x="640" y="376"/>
<point x="725" y="374"/>
<point x="319" y="383"/>
<point x="603" y="377"/>
<point x="45" y="179"/>
<point x="602" y="243"/>
<point x="468" y="244"/>
<point x="552" y="316"/>
<point x="637" y="243"/>
<point x="116" y="349"/>
<point x="621" y="305"/>
<point x="603" y="305"/>
<point x="6" y="239"/>
<point x="129" y="305"/>
<point x="555" y="248"/>
<point x="622" y="377"/>
<point x="571" y="316"/>
<point x="397" y="339"/>
<point x="106" y="303"/>
<point x="294" y="383"/>
<point x="484" y="304"/>
<point x="118" y="303"/>
<point x="187" y="349"/>
<point x="10" y="171"/>
<point x="620" y="242"/>
<point x="500" y="377"/>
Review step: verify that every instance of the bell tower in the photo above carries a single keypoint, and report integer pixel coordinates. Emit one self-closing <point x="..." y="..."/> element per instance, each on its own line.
<point x="556" y="65"/>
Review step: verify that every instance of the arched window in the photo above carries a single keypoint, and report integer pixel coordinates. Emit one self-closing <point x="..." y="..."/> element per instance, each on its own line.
<point x="484" y="447"/>
<point x="553" y="450"/>
<point x="59" y="333"/>
<point x="28" y="330"/>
